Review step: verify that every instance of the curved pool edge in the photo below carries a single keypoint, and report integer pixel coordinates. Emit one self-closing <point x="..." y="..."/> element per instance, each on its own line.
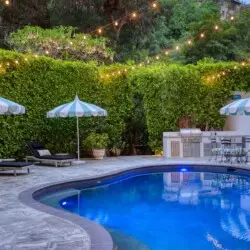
<point x="99" y="237"/>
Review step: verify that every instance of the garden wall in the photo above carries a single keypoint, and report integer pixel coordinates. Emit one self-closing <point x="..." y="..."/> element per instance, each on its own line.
<point x="171" y="96"/>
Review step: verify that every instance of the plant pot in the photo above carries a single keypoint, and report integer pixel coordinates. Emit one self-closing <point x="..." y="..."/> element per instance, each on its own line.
<point x="98" y="153"/>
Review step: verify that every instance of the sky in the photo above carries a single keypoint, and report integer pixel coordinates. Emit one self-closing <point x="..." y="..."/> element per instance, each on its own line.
<point x="245" y="1"/>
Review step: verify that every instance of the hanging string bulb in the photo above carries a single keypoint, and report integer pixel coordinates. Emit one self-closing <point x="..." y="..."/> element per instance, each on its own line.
<point x="232" y="18"/>
<point x="116" y="23"/>
<point x="100" y="31"/>
<point x="189" y="42"/>
<point x="134" y="15"/>
<point x="46" y="52"/>
<point x="177" y="48"/>
<point x="7" y="2"/>
<point x="216" y="27"/>
<point x="16" y="62"/>
<point x="154" y="5"/>
<point x="166" y="53"/>
<point x="202" y="35"/>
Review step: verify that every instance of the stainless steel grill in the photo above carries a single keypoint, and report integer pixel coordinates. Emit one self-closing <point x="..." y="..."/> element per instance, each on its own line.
<point x="190" y="135"/>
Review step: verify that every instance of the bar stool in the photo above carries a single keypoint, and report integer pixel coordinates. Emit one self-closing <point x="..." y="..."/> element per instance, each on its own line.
<point x="226" y="150"/>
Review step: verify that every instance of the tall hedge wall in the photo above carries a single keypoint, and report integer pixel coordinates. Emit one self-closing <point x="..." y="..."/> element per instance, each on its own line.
<point x="193" y="92"/>
<point x="169" y="93"/>
<point x="41" y="84"/>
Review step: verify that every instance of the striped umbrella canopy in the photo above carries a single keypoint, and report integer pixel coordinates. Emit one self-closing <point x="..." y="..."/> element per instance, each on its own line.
<point x="77" y="109"/>
<point x="239" y="107"/>
<point x="8" y="107"/>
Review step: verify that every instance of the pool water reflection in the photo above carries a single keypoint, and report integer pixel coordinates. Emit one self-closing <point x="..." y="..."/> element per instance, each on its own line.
<point x="177" y="210"/>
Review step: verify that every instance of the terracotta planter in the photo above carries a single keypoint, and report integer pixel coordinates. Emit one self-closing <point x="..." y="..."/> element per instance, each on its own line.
<point x="98" y="153"/>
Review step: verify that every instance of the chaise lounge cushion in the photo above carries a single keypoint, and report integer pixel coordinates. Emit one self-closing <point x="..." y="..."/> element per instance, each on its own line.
<point x="57" y="157"/>
<point x="14" y="164"/>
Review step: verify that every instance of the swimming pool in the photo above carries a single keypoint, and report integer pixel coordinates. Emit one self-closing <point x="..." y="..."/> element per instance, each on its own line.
<point x="166" y="210"/>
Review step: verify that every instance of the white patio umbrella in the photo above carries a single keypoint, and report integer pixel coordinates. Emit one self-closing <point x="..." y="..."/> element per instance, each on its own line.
<point x="8" y="107"/>
<point x="239" y="107"/>
<point x="77" y="109"/>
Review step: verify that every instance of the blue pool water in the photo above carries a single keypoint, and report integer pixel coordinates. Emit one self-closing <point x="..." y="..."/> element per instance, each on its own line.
<point x="176" y="210"/>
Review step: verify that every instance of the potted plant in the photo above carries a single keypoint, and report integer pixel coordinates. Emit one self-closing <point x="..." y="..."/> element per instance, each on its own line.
<point x="97" y="143"/>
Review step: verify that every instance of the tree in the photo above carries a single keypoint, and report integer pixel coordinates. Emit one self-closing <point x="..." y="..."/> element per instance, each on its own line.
<point x="223" y="40"/>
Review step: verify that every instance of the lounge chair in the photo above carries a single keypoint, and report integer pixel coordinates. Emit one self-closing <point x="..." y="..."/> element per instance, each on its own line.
<point x="42" y="155"/>
<point x="14" y="165"/>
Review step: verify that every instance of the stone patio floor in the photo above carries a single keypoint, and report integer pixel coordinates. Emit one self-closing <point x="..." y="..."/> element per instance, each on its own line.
<point x="24" y="228"/>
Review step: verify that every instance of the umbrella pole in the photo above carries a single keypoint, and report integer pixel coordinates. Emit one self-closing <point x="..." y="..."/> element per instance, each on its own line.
<point x="78" y="139"/>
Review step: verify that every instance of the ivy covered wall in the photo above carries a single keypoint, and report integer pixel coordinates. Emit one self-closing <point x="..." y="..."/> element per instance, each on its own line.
<point x="171" y="96"/>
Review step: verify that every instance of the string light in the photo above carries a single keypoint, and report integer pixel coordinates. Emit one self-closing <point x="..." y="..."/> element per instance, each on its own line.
<point x="116" y="23"/>
<point x="202" y="35"/>
<point x="177" y="48"/>
<point x="216" y="27"/>
<point x="189" y="42"/>
<point x="84" y="37"/>
<point x="8" y="64"/>
<point x="26" y="59"/>
<point x="36" y="55"/>
<point x="46" y="52"/>
<point x="134" y="15"/>
<point x="16" y="62"/>
<point x="7" y="2"/>
<point x="100" y="30"/>
<point x="154" y="5"/>
<point x="243" y="63"/>
<point x="232" y="18"/>
<point x="166" y="53"/>
<point x="71" y="43"/>
<point x="157" y="57"/>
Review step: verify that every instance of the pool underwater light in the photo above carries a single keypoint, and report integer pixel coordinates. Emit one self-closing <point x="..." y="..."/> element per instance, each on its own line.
<point x="183" y="170"/>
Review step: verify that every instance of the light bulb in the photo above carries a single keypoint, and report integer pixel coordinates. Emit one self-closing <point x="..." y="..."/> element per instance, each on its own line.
<point x="84" y="37"/>
<point x="116" y="23"/>
<point x="119" y="72"/>
<point x="7" y="2"/>
<point x="177" y="48"/>
<point x="157" y="57"/>
<point x="100" y="31"/>
<point x="154" y="5"/>
<point x="216" y="27"/>
<point x="243" y="63"/>
<point x="16" y="62"/>
<point x="46" y="52"/>
<point x="189" y="42"/>
<point x="134" y="15"/>
<point x="166" y="53"/>
<point x="202" y="35"/>
<point x="232" y="18"/>
<point x="26" y="59"/>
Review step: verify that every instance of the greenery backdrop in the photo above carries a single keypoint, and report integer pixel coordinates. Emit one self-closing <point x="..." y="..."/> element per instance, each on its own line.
<point x="141" y="105"/>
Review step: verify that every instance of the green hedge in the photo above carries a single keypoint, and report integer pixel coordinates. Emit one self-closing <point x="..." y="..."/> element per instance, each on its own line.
<point x="41" y="84"/>
<point x="176" y="92"/>
<point x="170" y="95"/>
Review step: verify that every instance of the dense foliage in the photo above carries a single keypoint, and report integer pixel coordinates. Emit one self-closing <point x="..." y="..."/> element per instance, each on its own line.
<point x="41" y="84"/>
<point x="141" y="105"/>
<point x="61" y="43"/>
<point x="152" y="31"/>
